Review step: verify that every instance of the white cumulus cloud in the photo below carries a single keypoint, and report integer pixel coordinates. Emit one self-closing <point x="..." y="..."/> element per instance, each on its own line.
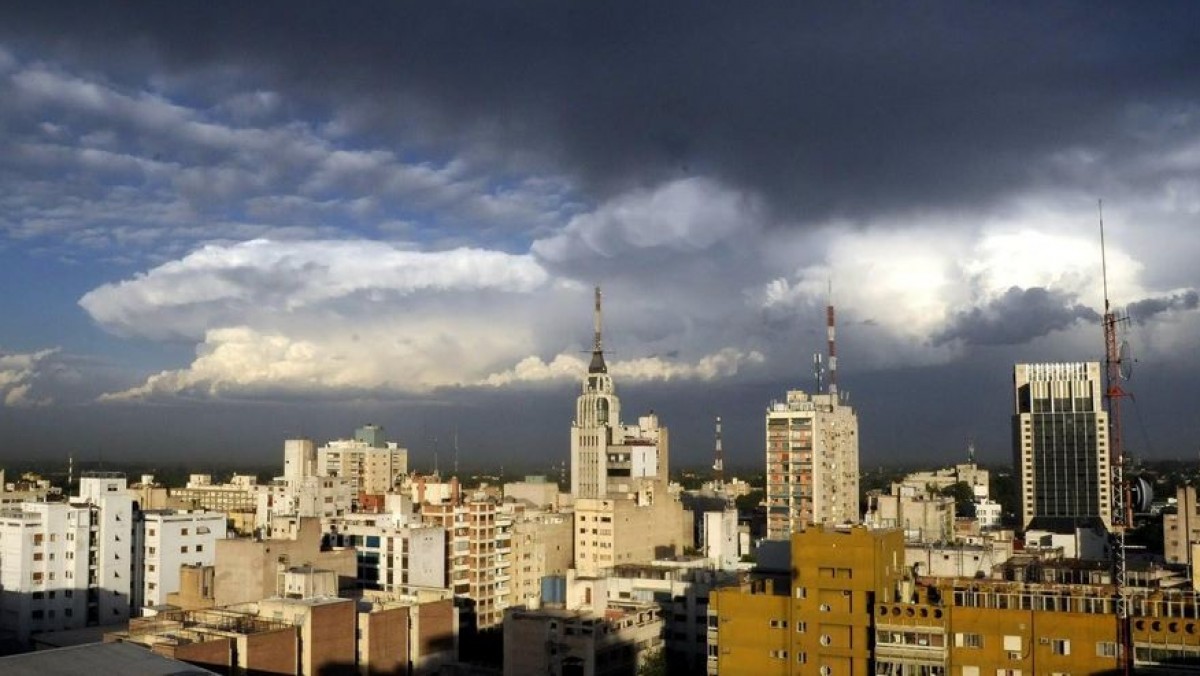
<point x="223" y="285"/>
<point x="723" y="363"/>
<point x="19" y="376"/>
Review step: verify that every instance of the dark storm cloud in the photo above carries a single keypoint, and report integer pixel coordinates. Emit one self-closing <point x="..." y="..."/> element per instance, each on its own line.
<point x="1017" y="317"/>
<point x="824" y="108"/>
<point x="1143" y="310"/>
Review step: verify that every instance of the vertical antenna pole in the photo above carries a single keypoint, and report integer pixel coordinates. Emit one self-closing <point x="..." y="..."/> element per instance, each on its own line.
<point x="1121" y="509"/>
<point x="597" y="344"/>
<point x="831" y="332"/>
<point x="719" y="460"/>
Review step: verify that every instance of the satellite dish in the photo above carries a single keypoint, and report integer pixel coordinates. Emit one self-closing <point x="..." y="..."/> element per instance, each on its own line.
<point x="1141" y="495"/>
<point x="1125" y="360"/>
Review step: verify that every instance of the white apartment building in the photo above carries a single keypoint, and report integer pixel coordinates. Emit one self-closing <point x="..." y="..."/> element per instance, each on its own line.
<point x="369" y="462"/>
<point x="812" y="463"/>
<point x="314" y="496"/>
<point x="398" y="559"/>
<point x="68" y="565"/>
<point x="720" y="540"/>
<point x="170" y="539"/>
<point x="299" y="458"/>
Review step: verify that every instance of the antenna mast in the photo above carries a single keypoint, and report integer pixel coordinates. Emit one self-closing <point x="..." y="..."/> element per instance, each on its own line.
<point x="597" y="365"/>
<point x="1122" y="512"/>
<point x="831" y="331"/>
<point x="719" y="460"/>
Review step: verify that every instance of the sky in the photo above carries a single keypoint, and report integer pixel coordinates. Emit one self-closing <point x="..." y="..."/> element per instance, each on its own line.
<point x="227" y="224"/>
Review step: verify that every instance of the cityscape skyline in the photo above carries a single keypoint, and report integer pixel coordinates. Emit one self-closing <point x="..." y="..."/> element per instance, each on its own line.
<point x="222" y="237"/>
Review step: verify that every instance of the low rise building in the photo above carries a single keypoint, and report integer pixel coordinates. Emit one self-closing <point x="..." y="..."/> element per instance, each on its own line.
<point x="634" y="528"/>
<point x="557" y="641"/>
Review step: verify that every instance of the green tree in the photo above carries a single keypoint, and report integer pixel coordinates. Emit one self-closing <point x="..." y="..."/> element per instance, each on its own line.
<point x="746" y="504"/>
<point x="964" y="498"/>
<point x="655" y="664"/>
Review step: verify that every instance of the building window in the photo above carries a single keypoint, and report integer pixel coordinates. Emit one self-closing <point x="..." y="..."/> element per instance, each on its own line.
<point x="1107" y="649"/>
<point x="779" y="654"/>
<point x="183" y="531"/>
<point x="199" y="548"/>
<point x="183" y="549"/>
<point x="801" y="627"/>
<point x="968" y="640"/>
<point x="778" y="624"/>
<point x="1060" y="646"/>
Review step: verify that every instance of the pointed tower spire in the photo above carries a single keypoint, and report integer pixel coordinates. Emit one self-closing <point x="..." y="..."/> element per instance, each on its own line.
<point x="597" y="365"/>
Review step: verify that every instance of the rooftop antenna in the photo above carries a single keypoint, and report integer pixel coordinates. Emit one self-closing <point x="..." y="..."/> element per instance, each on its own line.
<point x="818" y="371"/>
<point x="719" y="460"/>
<point x="435" y="458"/>
<point x="831" y="332"/>
<point x="70" y="473"/>
<point x="971" y="451"/>
<point x="597" y="365"/>
<point x="1122" y="511"/>
<point x="456" y="450"/>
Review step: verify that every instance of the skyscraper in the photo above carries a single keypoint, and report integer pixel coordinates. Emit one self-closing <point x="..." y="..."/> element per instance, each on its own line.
<point x="606" y="457"/>
<point x="1060" y="444"/>
<point x="812" y="463"/>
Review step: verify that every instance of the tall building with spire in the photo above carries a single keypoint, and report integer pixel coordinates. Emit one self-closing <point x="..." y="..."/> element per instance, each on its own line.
<point x="608" y="457"/>
<point x="625" y="509"/>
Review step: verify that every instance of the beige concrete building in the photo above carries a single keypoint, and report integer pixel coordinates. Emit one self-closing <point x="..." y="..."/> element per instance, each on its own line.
<point x="923" y="516"/>
<point x="812" y="463"/>
<point x="650" y="524"/>
<point x="534" y="491"/>
<point x="248" y="569"/>
<point x="978" y="478"/>
<point x="1061" y="446"/>
<point x="602" y="637"/>
<point x="1181" y="530"/>
<point x="370" y="463"/>
<point x="542" y="544"/>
